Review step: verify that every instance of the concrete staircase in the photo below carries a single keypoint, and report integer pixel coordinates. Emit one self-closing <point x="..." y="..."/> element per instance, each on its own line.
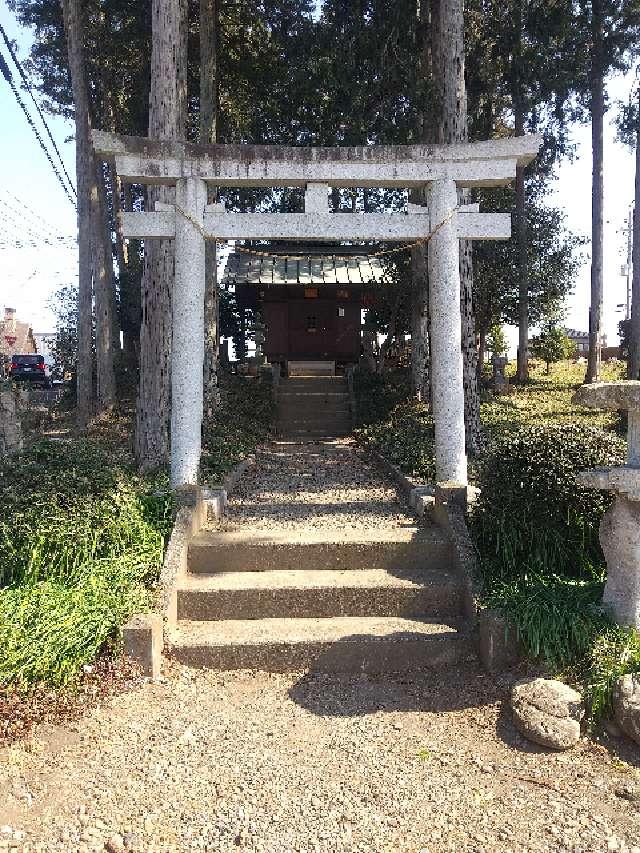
<point x="374" y="602"/>
<point x="313" y="407"/>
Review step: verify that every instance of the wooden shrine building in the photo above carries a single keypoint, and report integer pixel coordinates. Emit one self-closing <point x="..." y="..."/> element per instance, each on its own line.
<point x="310" y="298"/>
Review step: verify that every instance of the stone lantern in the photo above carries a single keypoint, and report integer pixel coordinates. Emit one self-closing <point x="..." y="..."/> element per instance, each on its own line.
<point x="620" y="525"/>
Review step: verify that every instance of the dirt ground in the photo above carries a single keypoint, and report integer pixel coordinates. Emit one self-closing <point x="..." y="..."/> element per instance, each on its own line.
<point x="258" y="762"/>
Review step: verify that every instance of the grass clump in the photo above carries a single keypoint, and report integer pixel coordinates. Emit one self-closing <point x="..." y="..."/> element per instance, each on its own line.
<point x="557" y="619"/>
<point x="81" y="543"/>
<point x="615" y="652"/>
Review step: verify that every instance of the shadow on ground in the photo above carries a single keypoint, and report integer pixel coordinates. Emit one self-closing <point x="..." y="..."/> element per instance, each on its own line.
<point x="434" y="691"/>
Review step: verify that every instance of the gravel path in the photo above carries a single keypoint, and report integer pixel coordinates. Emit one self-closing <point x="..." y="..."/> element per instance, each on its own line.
<point x="253" y="762"/>
<point x="314" y="486"/>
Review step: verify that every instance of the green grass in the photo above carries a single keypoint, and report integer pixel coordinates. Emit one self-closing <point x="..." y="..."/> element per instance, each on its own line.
<point x="81" y="543"/>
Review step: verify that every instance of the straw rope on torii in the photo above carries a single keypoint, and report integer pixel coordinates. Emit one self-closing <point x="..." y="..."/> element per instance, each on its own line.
<point x="442" y="170"/>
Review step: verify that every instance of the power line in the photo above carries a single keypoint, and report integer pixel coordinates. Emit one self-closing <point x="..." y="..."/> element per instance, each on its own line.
<point x="8" y="216"/>
<point x="6" y="73"/>
<point x="61" y="242"/>
<point x="35" y="219"/>
<point x="27" y="86"/>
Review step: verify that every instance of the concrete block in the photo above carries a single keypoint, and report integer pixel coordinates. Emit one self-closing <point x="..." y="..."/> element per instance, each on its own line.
<point x="498" y="645"/>
<point x="143" y="641"/>
<point x="425" y="504"/>
<point x="416" y="494"/>
<point x="215" y="501"/>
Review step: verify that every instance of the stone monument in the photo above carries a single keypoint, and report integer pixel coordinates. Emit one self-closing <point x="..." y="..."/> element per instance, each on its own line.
<point x="620" y="525"/>
<point x="499" y="382"/>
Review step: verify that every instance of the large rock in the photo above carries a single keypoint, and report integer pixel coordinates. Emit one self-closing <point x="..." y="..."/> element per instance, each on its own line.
<point x="626" y="705"/>
<point x="547" y="712"/>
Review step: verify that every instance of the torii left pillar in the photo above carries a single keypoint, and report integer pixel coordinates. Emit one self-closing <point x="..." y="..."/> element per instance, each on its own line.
<point x="187" y="351"/>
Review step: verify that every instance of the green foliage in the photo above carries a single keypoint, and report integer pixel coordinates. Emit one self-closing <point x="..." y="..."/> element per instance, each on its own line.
<point x="49" y="630"/>
<point x="615" y="652"/>
<point x="243" y="420"/>
<point x="532" y="516"/>
<point x="497" y="341"/>
<point x="557" y="619"/>
<point x="553" y="255"/>
<point x="377" y="394"/>
<point x="552" y="345"/>
<point x="64" y="346"/>
<point x="81" y="543"/>
<point x="405" y="438"/>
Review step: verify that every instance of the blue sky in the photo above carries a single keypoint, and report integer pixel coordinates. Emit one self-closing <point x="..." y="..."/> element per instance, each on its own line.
<point x="28" y="276"/>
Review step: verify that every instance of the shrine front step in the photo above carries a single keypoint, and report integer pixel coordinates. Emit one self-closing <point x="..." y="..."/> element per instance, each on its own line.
<point x="308" y="593"/>
<point x="313" y="408"/>
<point x="314" y="427"/>
<point x="407" y="549"/>
<point x="335" y="645"/>
<point x="311" y="368"/>
<point x="316" y="384"/>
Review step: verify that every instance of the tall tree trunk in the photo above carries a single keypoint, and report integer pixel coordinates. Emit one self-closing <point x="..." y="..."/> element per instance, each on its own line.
<point x="130" y="276"/>
<point x="94" y="214"/>
<point x="634" y="342"/>
<point x="104" y="291"/>
<point x="522" y="373"/>
<point x="167" y="106"/>
<point x="447" y="27"/>
<point x="208" y="135"/>
<point x="597" y="198"/>
<point x="84" y="170"/>
<point x="420" y="379"/>
<point x="482" y="349"/>
<point x="517" y="99"/>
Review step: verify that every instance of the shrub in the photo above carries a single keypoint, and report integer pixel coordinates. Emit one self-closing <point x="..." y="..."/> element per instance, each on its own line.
<point x="66" y="504"/>
<point x="243" y="419"/>
<point x="377" y="394"/>
<point x="532" y="517"/>
<point x="405" y="438"/>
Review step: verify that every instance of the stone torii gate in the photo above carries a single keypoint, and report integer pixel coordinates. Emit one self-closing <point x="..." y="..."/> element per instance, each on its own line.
<point x="190" y="221"/>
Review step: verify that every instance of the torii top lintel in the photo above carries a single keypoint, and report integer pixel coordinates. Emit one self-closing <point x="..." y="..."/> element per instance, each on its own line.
<point x="474" y="164"/>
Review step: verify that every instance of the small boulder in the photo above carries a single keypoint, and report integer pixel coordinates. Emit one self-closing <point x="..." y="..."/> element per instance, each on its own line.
<point x="626" y="705"/>
<point x="547" y="712"/>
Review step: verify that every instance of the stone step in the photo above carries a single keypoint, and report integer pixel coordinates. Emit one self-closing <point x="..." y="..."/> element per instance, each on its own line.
<point x="320" y="383"/>
<point x="314" y="420"/>
<point x="325" y="422"/>
<point x="338" y="644"/>
<point x="311" y="368"/>
<point x="243" y="550"/>
<point x="313" y="436"/>
<point x="323" y="593"/>
<point x="299" y="397"/>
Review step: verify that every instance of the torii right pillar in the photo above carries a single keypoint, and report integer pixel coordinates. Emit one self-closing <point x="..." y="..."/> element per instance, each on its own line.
<point x="447" y="389"/>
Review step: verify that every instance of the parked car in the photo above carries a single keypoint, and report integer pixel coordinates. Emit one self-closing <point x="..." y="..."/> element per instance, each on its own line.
<point x="30" y="368"/>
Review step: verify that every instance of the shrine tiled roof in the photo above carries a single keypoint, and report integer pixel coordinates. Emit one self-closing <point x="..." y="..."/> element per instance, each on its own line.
<point x="290" y="269"/>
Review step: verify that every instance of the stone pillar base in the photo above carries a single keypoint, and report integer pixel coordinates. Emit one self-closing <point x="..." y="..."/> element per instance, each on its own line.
<point x="142" y="637"/>
<point x="620" y="540"/>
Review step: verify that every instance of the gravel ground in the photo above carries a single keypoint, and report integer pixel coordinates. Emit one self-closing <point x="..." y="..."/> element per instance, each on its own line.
<point x="256" y="762"/>
<point x="314" y="486"/>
